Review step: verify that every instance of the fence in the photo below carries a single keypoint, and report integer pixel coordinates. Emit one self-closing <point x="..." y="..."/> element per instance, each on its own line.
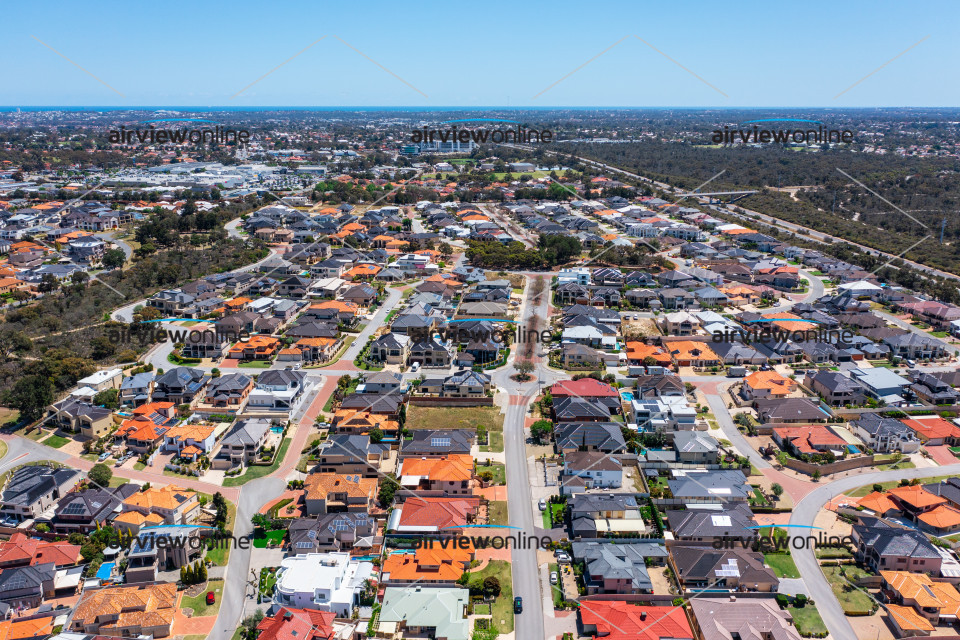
<point x="436" y="401"/>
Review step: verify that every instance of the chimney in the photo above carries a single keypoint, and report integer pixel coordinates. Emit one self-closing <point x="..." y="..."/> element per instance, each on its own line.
<point x="643" y="615"/>
<point x="733" y="598"/>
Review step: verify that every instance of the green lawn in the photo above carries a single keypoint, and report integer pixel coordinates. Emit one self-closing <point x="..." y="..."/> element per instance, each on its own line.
<point x="853" y="600"/>
<point x="219" y="555"/>
<point x="199" y="603"/>
<point x="259" y="471"/>
<point x="56" y="441"/>
<point x="868" y="488"/>
<point x="782" y="565"/>
<point x="336" y="357"/>
<point x="498" y="512"/>
<point x="497" y="468"/>
<point x="758" y="499"/>
<point x="503" y="605"/>
<point x="255" y="364"/>
<point x="807" y="620"/>
<point x="260" y="538"/>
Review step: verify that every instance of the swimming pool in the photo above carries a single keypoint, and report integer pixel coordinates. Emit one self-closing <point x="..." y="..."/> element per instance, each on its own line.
<point x="276" y="429"/>
<point x="627" y="396"/>
<point x="106" y="570"/>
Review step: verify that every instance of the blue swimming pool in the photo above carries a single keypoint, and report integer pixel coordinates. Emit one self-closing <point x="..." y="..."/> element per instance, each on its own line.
<point x="277" y="429"/>
<point x="627" y="396"/>
<point x="106" y="570"/>
<point x="852" y="448"/>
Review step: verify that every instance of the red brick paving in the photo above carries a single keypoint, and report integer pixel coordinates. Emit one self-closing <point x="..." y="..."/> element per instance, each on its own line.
<point x="941" y="454"/>
<point x="795" y="487"/>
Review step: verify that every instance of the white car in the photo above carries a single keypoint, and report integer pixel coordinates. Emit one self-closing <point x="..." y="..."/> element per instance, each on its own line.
<point x="554" y="578"/>
<point x="563" y="558"/>
<point x="415" y="367"/>
<point x="543" y="504"/>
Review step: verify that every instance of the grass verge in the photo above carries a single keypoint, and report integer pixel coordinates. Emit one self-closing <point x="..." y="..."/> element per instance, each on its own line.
<point x="259" y="471"/>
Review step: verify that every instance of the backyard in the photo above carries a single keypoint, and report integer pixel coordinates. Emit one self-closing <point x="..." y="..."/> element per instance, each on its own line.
<point x="497" y="469"/>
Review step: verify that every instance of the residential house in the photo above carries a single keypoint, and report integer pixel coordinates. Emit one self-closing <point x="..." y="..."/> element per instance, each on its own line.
<point x="322" y="581"/>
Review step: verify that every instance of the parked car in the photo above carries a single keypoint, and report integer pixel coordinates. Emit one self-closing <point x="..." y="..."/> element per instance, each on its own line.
<point x="543" y="504"/>
<point x="415" y="367"/>
<point x="563" y="558"/>
<point x="103" y="456"/>
<point x="554" y="578"/>
<point x="518" y="605"/>
<point x="211" y="598"/>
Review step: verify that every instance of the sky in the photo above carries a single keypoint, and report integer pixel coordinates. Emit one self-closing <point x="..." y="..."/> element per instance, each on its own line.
<point x="684" y="53"/>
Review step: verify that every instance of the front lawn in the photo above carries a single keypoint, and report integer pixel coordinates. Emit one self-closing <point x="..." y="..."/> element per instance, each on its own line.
<point x="782" y="565"/>
<point x="55" y="441"/>
<point x="498" y="470"/>
<point x="255" y="364"/>
<point x="199" y="603"/>
<point x="555" y="589"/>
<point x="259" y="471"/>
<point x="503" y="606"/>
<point x="808" y="622"/>
<point x="261" y="538"/>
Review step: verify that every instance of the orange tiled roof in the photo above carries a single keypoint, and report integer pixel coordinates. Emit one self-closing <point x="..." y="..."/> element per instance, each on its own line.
<point x="21" y="549"/>
<point x="806" y="439"/>
<point x="916" y="496"/>
<point x="691" y="350"/>
<point x="452" y="468"/>
<point x="152" y="605"/>
<point x="638" y="351"/>
<point x="430" y="564"/>
<point x="933" y="428"/>
<point x="772" y="381"/>
<point x="138" y="519"/>
<point x="877" y="502"/>
<point x="195" y="432"/>
<point x="17" y="629"/>
<point x="942" y="517"/>
<point x="318" y="485"/>
<point x="908" y="619"/>
<point x="168" y="497"/>
<point x="921" y="589"/>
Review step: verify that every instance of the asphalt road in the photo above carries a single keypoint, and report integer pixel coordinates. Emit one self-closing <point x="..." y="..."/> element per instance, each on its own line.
<point x="805" y="512"/>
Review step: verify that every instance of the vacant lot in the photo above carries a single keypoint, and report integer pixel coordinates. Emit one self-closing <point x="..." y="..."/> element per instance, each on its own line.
<point x="807" y="620"/>
<point x="782" y="565"/>
<point x="853" y="599"/>
<point x="498" y="512"/>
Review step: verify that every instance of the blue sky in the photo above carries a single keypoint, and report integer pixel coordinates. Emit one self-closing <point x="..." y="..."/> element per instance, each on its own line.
<point x="770" y="54"/>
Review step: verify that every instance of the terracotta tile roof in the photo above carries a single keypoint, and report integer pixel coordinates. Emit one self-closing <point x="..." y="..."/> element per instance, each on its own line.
<point x="638" y="351"/>
<point x="942" y="517"/>
<point x="17" y="629"/>
<point x="195" y="432"/>
<point x="318" y="485"/>
<point x="135" y="518"/>
<point x="438" y="512"/>
<point x="916" y="496"/>
<point x="297" y="624"/>
<point x="619" y="620"/>
<point x="428" y="564"/>
<point x="771" y="381"/>
<point x="807" y="439"/>
<point x="933" y="428"/>
<point x="923" y="591"/>
<point x="691" y="350"/>
<point x="452" y="468"/>
<point x="908" y="619"/>
<point x="21" y="549"/>
<point x="152" y="605"/>
<point x="879" y="503"/>
<point x="168" y="497"/>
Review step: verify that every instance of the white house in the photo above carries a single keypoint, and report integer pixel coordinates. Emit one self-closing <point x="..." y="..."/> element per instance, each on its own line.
<point x="322" y="581"/>
<point x="109" y="379"/>
<point x="579" y="275"/>
<point x="597" y="469"/>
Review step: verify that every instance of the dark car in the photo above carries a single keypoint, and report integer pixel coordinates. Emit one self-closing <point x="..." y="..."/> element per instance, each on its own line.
<point x="211" y="598"/>
<point x="518" y="605"/>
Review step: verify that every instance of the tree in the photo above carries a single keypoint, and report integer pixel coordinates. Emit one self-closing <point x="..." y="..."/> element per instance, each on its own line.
<point x="878" y="488"/>
<point x="30" y="395"/>
<point x="100" y="475"/>
<point x="525" y="368"/>
<point x="541" y="430"/>
<point x="376" y="435"/>
<point x="777" y="489"/>
<point x="491" y="586"/>
<point x="108" y="399"/>
<point x="388" y="488"/>
<point x="220" y="505"/>
<point x="215" y="373"/>
<point x="816" y="475"/>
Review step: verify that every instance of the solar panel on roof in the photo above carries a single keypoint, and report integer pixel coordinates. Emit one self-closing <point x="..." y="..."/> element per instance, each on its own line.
<point x="440" y="442"/>
<point x="304" y="545"/>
